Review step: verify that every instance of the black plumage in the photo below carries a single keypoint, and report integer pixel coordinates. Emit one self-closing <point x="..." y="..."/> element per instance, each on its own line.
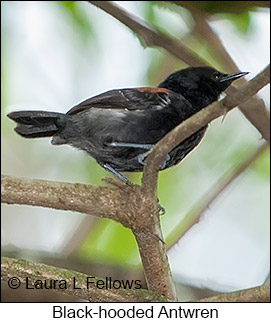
<point x="118" y="127"/>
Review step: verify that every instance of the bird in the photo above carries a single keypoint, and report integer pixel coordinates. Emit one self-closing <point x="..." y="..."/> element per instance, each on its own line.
<point x="118" y="128"/>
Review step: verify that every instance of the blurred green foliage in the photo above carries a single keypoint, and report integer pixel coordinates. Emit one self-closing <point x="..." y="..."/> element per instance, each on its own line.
<point x="236" y="12"/>
<point x="213" y="7"/>
<point x="3" y="73"/>
<point x="241" y="22"/>
<point x="78" y="18"/>
<point x="108" y="241"/>
<point x="261" y="167"/>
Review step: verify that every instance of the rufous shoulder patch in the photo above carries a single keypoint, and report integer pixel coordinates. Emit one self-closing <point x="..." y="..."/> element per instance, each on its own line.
<point x="153" y="90"/>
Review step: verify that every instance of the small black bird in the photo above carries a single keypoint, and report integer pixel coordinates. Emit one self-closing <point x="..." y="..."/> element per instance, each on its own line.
<point x="119" y="127"/>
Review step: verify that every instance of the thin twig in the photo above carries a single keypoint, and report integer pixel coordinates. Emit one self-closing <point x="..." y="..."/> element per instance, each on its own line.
<point x="249" y="89"/>
<point x="259" y="117"/>
<point x="141" y="215"/>
<point x="193" y="124"/>
<point x="203" y="29"/>
<point x="112" y="203"/>
<point x="73" y="283"/>
<point x="194" y="216"/>
<point x="254" y="110"/>
<point x="149" y="35"/>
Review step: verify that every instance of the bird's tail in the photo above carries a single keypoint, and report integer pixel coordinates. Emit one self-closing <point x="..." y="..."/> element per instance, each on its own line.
<point x="34" y="124"/>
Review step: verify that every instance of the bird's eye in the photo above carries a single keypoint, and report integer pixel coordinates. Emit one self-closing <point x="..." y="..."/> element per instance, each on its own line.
<point x="216" y="76"/>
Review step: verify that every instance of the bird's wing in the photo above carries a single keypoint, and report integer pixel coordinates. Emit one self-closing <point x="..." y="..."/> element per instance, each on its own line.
<point x="129" y="99"/>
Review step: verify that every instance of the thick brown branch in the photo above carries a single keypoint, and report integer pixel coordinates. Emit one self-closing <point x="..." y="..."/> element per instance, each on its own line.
<point x="193" y="124"/>
<point x="260" y="294"/>
<point x="23" y="269"/>
<point x="254" y="110"/>
<point x="103" y="202"/>
<point x="152" y="252"/>
<point x="133" y="206"/>
<point x="125" y="204"/>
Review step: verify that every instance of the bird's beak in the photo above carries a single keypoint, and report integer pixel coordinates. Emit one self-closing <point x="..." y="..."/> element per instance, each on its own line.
<point x="232" y="77"/>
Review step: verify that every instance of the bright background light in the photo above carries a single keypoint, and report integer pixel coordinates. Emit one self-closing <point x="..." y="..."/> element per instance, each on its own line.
<point x="46" y="66"/>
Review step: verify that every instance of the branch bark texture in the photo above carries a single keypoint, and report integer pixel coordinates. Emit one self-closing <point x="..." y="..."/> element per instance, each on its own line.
<point x="193" y="124"/>
<point x="133" y="206"/>
<point x="23" y="269"/>
<point x="226" y="180"/>
<point x="259" y="294"/>
<point x="103" y="202"/>
<point x="254" y="110"/>
<point x="149" y="35"/>
<point x="123" y="203"/>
